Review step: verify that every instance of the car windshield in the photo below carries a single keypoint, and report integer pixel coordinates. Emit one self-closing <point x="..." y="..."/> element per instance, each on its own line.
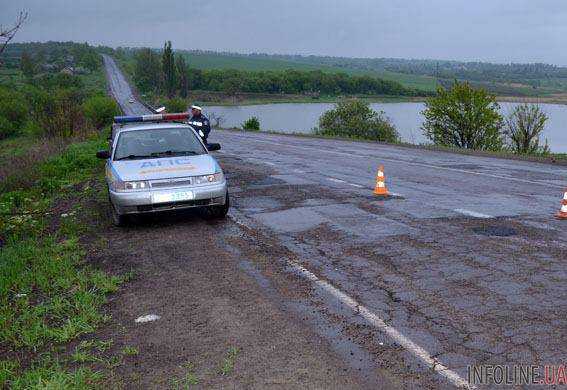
<point x="157" y="143"/>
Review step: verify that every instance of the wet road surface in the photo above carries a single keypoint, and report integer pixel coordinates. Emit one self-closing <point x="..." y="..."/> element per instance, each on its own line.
<point x="464" y="265"/>
<point x="121" y="90"/>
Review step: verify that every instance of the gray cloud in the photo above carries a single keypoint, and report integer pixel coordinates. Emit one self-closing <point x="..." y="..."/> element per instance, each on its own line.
<point x="489" y="30"/>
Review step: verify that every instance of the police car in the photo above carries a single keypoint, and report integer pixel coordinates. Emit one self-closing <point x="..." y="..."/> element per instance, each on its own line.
<point x="156" y="163"/>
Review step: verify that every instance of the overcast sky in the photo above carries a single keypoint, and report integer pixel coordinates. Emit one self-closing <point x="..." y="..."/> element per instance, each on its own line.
<point x="487" y="30"/>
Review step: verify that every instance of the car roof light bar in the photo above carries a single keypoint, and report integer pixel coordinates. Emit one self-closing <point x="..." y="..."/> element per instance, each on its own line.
<point x="151" y="118"/>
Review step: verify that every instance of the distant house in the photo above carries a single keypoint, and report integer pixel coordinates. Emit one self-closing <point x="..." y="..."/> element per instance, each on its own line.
<point x="68" y="70"/>
<point x="49" y="67"/>
<point x="81" y="70"/>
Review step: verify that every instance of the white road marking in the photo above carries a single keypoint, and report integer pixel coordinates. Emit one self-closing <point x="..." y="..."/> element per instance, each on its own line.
<point x="350" y="155"/>
<point x="336" y="180"/>
<point x="344" y="182"/>
<point x="269" y="163"/>
<point x="394" y="334"/>
<point x="473" y="214"/>
<point x="147" y="318"/>
<point x="417" y="351"/>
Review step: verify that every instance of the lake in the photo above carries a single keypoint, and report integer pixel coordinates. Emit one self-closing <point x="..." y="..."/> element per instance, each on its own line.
<point x="303" y="117"/>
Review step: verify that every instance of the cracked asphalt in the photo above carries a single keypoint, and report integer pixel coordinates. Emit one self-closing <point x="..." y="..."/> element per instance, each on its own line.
<point x="466" y="260"/>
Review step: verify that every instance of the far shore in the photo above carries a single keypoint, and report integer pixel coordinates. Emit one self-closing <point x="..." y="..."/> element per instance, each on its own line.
<point x="276" y="99"/>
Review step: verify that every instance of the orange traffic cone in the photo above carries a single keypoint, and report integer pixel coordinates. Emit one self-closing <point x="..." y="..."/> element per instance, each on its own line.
<point x="562" y="214"/>
<point x="380" y="188"/>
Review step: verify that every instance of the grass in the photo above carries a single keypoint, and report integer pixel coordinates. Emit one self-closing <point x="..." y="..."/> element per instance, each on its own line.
<point x="51" y="374"/>
<point x="227" y="366"/>
<point x="227" y="61"/>
<point x="188" y="379"/>
<point x="15" y="146"/>
<point x="247" y="99"/>
<point x="48" y="295"/>
<point x="416" y="81"/>
<point x="130" y="351"/>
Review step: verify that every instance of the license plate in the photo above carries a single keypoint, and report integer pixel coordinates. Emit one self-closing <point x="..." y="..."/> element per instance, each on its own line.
<point x="173" y="197"/>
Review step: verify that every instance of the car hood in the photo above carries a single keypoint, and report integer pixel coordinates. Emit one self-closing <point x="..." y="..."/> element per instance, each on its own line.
<point x="165" y="168"/>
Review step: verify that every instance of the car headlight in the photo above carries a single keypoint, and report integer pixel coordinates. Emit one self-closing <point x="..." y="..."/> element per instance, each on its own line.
<point x="127" y="186"/>
<point x="209" y="179"/>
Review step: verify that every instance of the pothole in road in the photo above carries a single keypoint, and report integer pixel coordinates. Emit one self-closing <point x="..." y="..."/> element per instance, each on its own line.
<point x="495" y="230"/>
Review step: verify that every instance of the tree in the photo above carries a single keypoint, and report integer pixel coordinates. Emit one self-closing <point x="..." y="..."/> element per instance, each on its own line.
<point x="7" y="34"/>
<point x="147" y="70"/>
<point x="27" y="65"/>
<point x="463" y="117"/>
<point x="181" y="68"/>
<point x="168" y="70"/>
<point x="14" y="112"/>
<point x="524" y="127"/>
<point x="355" y="119"/>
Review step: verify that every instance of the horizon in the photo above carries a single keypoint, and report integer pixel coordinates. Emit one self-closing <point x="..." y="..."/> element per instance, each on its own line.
<point x="235" y="53"/>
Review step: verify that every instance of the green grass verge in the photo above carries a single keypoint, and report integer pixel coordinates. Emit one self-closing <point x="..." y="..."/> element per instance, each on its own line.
<point x="48" y="295"/>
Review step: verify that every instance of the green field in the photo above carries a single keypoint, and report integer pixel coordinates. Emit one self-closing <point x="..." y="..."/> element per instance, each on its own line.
<point x="228" y="61"/>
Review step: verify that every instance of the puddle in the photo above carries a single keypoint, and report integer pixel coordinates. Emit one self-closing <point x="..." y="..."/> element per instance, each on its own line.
<point x="496" y="231"/>
<point x="257" y="203"/>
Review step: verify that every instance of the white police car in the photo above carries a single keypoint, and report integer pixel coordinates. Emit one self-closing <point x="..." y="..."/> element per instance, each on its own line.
<point x="154" y="165"/>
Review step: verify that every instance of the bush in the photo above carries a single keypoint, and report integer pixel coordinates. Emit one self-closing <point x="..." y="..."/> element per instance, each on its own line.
<point x="13" y="108"/>
<point x="252" y="124"/>
<point x="59" y="80"/>
<point x="175" y="105"/>
<point x="463" y="117"/>
<point x="355" y="119"/>
<point x="100" y="111"/>
<point x="61" y="113"/>
<point x="32" y="128"/>
<point x="7" y="128"/>
<point x="524" y="127"/>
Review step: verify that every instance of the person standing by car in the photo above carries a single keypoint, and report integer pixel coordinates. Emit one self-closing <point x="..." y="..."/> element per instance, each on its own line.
<point x="200" y="122"/>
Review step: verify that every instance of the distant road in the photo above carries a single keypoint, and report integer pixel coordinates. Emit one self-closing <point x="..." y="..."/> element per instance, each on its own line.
<point x="120" y="89"/>
<point x="464" y="265"/>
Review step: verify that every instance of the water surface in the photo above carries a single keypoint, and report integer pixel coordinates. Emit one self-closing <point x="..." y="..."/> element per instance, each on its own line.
<point x="407" y="117"/>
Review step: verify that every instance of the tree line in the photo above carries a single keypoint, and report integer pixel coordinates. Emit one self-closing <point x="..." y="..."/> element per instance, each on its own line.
<point x="169" y="74"/>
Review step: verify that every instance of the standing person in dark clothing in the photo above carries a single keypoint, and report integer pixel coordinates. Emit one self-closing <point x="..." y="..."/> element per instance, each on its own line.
<point x="200" y="122"/>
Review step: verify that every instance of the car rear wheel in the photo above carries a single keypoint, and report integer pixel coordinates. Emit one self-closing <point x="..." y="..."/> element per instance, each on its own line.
<point x="219" y="211"/>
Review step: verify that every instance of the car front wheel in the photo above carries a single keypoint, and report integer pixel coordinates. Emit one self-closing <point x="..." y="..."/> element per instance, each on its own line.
<point x="117" y="219"/>
<point x="219" y="211"/>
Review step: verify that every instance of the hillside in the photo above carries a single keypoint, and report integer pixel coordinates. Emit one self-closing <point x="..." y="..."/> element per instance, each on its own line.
<point x="502" y="79"/>
<point x="212" y="60"/>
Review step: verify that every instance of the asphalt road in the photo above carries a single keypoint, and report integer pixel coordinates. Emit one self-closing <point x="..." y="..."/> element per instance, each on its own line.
<point x="121" y="90"/>
<point x="464" y="265"/>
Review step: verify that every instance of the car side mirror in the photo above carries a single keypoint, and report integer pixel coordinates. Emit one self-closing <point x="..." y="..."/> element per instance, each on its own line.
<point x="103" y="154"/>
<point x="212" y="147"/>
